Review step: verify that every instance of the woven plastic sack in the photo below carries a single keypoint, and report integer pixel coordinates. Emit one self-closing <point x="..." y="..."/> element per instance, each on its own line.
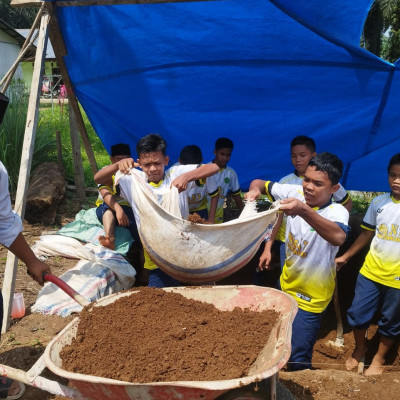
<point x="196" y="253"/>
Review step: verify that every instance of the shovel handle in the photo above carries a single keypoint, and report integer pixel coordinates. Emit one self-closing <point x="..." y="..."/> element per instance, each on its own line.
<point x="66" y="288"/>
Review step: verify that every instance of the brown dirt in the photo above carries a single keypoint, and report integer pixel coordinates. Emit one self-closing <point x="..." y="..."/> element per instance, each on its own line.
<point x="196" y="219"/>
<point x="186" y="339"/>
<point x="22" y="345"/>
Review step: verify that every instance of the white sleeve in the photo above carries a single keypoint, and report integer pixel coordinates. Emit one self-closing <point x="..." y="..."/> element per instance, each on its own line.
<point x="340" y="195"/>
<point x="10" y="222"/>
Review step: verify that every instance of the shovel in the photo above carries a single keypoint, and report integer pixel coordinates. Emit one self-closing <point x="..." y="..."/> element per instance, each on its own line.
<point x="66" y="288"/>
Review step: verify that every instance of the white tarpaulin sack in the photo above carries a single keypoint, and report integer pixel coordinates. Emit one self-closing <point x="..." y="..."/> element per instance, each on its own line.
<point x="195" y="253"/>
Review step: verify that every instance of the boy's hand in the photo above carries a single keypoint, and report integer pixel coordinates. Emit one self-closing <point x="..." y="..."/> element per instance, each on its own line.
<point x="180" y="183"/>
<point x="252" y="195"/>
<point x="340" y="262"/>
<point x="126" y="165"/>
<point x="122" y="218"/>
<point x="292" y="206"/>
<point x="265" y="260"/>
<point x="36" y="268"/>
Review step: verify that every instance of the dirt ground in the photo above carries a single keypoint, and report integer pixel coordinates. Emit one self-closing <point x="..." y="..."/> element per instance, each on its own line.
<point x="27" y="337"/>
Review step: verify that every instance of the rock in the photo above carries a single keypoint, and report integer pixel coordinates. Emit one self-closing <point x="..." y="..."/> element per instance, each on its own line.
<point x="46" y="191"/>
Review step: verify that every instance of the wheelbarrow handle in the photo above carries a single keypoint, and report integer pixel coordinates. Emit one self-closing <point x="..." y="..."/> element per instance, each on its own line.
<point x="66" y="288"/>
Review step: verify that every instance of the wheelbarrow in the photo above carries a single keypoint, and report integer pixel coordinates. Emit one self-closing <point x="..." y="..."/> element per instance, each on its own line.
<point x="269" y="362"/>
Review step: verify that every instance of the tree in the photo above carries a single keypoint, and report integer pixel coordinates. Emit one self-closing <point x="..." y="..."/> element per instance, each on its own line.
<point x="18" y="18"/>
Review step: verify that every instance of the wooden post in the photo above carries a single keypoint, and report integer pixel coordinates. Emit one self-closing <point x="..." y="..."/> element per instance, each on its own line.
<point x="26" y="162"/>
<point x="59" y="51"/>
<point x="76" y="154"/>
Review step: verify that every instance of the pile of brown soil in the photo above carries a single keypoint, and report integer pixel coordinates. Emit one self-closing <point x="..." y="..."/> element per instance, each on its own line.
<point x="196" y="219"/>
<point x="157" y="336"/>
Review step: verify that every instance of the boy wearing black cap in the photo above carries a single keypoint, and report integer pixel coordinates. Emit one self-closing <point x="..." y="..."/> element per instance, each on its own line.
<point x="112" y="210"/>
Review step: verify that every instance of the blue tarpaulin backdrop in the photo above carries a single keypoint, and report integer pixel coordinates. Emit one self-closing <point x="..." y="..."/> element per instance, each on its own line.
<point x="257" y="71"/>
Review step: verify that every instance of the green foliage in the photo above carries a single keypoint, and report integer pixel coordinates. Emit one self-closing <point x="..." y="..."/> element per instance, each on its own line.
<point x="18" y="18"/>
<point x="361" y="201"/>
<point x="12" y="135"/>
<point x="58" y="119"/>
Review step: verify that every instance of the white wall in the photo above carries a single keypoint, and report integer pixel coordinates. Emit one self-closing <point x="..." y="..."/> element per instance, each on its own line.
<point x="9" y="50"/>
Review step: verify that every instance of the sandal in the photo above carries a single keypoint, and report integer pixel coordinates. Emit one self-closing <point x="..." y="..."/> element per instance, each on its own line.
<point x="21" y="392"/>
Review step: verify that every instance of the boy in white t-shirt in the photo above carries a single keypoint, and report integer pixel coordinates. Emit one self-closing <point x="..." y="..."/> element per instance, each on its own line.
<point x="316" y="227"/>
<point x="302" y="150"/>
<point x="226" y="179"/>
<point x="151" y="150"/>
<point x="197" y="195"/>
<point x="378" y="282"/>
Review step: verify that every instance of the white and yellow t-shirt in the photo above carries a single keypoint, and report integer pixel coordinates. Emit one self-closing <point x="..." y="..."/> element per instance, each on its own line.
<point x="226" y="181"/>
<point x="309" y="271"/>
<point x="340" y="196"/>
<point x="159" y="189"/>
<point x="382" y="263"/>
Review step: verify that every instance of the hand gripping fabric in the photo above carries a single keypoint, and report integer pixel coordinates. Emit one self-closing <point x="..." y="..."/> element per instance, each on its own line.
<point x="196" y="253"/>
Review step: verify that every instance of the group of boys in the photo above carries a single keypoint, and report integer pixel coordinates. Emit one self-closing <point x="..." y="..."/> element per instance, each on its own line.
<point x="202" y="187"/>
<point x="316" y="209"/>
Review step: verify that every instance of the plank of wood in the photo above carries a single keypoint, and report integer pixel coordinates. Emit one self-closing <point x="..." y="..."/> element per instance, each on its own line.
<point x="32" y="119"/>
<point x="59" y="51"/>
<point x="77" y="3"/>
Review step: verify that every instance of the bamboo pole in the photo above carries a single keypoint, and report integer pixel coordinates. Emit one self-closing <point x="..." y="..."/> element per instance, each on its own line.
<point x="26" y="162"/>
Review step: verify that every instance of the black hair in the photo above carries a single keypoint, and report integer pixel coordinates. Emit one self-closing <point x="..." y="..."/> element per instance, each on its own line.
<point x="120" y="149"/>
<point x="151" y="143"/>
<point x="191" y="154"/>
<point x="303" y="141"/>
<point x="394" y="161"/>
<point x="223" y="143"/>
<point x="330" y="164"/>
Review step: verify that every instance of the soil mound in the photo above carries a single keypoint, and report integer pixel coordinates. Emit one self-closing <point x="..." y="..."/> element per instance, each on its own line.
<point x="157" y="336"/>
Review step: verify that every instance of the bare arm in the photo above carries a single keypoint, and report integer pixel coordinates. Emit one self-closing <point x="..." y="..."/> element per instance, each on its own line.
<point x="256" y="189"/>
<point x="213" y="209"/>
<point x="328" y="230"/>
<point x="363" y="239"/>
<point x="348" y="205"/>
<point x="35" y="267"/>
<point x="266" y="256"/>
<point x="238" y="201"/>
<point x="110" y="200"/>
<point x="203" y="171"/>
<point x="104" y="176"/>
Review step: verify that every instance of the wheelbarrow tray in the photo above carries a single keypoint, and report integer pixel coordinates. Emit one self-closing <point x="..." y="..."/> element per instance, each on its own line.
<point x="271" y="359"/>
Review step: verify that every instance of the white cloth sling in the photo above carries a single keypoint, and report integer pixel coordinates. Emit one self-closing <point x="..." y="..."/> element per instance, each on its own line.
<point x="195" y="253"/>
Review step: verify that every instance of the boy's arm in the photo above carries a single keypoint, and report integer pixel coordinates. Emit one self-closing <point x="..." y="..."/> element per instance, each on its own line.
<point x="266" y="256"/>
<point x="204" y="171"/>
<point x="35" y="266"/>
<point x="104" y="176"/>
<point x="256" y="189"/>
<point x="363" y="239"/>
<point x="110" y="200"/>
<point x="328" y="230"/>
<point x="238" y="201"/>
<point x="213" y="209"/>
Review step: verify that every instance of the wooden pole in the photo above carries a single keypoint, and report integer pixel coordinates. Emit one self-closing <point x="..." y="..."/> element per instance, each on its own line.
<point x="26" y="162"/>
<point x="59" y="51"/>
<point x="76" y="155"/>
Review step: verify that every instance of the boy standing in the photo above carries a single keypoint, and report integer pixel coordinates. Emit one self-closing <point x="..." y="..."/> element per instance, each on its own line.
<point x="151" y="150"/>
<point x="197" y="195"/>
<point x="112" y="210"/>
<point x="378" y="282"/>
<point x="316" y="227"/>
<point x="226" y="179"/>
<point x="303" y="149"/>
